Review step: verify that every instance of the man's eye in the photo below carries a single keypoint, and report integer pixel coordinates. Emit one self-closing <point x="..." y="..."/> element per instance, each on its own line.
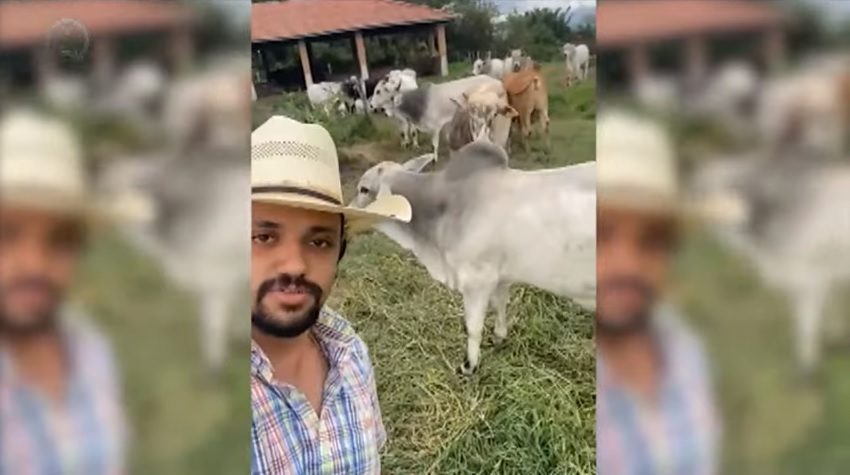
<point x="262" y="238"/>
<point x="321" y="243"/>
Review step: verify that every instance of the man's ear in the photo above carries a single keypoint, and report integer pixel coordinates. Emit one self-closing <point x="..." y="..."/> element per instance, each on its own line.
<point x="418" y="164"/>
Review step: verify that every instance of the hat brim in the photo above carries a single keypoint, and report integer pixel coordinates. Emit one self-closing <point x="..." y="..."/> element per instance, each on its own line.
<point x="390" y="207"/>
<point x="717" y="209"/>
<point x="85" y="208"/>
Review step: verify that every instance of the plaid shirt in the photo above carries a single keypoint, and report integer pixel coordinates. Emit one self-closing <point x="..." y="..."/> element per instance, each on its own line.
<point x="679" y="435"/>
<point x="82" y="435"/>
<point x="288" y="437"/>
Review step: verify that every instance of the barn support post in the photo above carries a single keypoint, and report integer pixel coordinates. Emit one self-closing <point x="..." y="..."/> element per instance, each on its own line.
<point x="638" y="62"/>
<point x="181" y="48"/>
<point x="696" y="57"/>
<point x="267" y="65"/>
<point x="774" y="49"/>
<point x="305" y="63"/>
<point x="361" y="55"/>
<point x="103" y="57"/>
<point x="45" y="63"/>
<point x="441" y="48"/>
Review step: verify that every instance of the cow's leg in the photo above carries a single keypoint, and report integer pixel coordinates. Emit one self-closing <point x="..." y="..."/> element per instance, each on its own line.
<point x="525" y="128"/>
<point x="808" y="314"/>
<point x="414" y="133"/>
<point x="476" y="296"/>
<point x="499" y="302"/>
<point x="214" y="309"/>
<point x="405" y="141"/>
<point x="435" y="142"/>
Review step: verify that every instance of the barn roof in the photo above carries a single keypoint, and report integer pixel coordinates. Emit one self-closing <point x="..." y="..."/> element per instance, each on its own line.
<point x="638" y="21"/>
<point x="27" y="23"/>
<point x="309" y="18"/>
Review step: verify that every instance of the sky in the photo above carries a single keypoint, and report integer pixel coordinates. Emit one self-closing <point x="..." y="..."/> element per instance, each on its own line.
<point x="506" y="6"/>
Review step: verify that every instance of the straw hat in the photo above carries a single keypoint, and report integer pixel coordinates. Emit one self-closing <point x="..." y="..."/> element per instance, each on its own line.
<point x="636" y="169"/>
<point x="42" y="168"/>
<point x="296" y="164"/>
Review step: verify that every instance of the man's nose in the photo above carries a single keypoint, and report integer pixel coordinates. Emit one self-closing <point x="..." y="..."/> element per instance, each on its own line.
<point x="291" y="259"/>
<point x="33" y="257"/>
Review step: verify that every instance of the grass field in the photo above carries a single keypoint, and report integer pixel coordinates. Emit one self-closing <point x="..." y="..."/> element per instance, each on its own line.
<point x="773" y="424"/>
<point x="530" y="409"/>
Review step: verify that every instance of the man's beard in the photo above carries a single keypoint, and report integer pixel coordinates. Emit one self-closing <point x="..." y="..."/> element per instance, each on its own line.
<point x="637" y="321"/>
<point x="268" y="325"/>
<point x="34" y="325"/>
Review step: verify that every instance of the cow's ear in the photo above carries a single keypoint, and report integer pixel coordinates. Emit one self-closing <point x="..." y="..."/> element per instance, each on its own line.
<point x="418" y="164"/>
<point x="465" y="96"/>
<point x="508" y="111"/>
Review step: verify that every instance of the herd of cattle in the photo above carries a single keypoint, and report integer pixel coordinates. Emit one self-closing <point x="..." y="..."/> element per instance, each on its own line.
<point x="793" y="185"/>
<point x="498" y="93"/>
<point x="479" y="225"/>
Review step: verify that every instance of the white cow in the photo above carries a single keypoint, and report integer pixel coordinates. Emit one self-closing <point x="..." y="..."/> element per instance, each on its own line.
<point x="65" y="92"/>
<point x="805" y="110"/>
<point x="211" y="107"/>
<point x="795" y="228"/>
<point x="577" y="61"/>
<point x="492" y="67"/>
<point x="323" y="94"/>
<point x="479" y="226"/>
<point x="482" y="112"/>
<point x="430" y="107"/>
<point x="197" y="235"/>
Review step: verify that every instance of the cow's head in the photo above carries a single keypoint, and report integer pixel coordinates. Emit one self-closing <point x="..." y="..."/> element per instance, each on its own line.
<point x="483" y="108"/>
<point x="386" y="91"/>
<point x="478" y="67"/>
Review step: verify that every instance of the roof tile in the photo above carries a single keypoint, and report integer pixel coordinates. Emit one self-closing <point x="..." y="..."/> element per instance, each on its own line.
<point x="306" y="18"/>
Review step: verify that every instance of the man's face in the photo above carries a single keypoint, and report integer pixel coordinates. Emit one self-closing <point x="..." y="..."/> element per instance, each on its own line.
<point x="39" y="252"/>
<point x="633" y="252"/>
<point x="294" y="255"/>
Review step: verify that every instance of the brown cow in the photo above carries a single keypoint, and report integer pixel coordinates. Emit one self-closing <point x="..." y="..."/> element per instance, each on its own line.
<point x="527" y="93"/>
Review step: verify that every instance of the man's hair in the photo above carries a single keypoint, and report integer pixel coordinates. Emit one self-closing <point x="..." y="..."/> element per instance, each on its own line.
<point x="344" y="244"/>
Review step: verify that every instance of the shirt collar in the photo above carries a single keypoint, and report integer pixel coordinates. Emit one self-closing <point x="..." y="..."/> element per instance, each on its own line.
<point x="74" y="330"/>
<point x="336" y="338"/>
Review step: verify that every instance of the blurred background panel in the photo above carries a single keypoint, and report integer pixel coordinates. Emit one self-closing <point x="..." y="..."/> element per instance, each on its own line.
<point x="756" y="95"/>
<point x="158" y="92"/>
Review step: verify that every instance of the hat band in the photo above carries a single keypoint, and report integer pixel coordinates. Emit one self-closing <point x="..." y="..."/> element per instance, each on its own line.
<point x="296" y="190"/>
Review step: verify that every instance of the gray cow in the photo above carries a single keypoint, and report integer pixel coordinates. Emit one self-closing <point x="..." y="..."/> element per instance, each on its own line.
<point x="430" y="107"/>
<point x="794" y="226"/>
<point x="479" y="226"/>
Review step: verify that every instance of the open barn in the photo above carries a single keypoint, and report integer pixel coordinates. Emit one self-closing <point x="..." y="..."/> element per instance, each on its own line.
<point x="284" y="46"/>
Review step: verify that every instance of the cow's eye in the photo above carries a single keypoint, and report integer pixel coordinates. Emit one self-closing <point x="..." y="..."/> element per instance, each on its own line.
<point x="364" y="190"/>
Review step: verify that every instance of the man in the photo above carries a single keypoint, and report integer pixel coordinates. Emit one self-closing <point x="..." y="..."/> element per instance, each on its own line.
<point x="315" y="407"/>
<point x="655" y="409"/>
<point x="60" y="402"/>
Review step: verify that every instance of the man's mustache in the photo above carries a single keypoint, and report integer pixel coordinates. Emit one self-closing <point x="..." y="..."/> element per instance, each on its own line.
<point x="32" y="283"/>
<point x="627" y="283"/>
<point x="288" y="282"/>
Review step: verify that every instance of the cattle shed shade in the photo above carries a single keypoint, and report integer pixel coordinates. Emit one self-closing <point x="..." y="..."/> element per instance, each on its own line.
<point x="297" y="19"/>
<point x="27" y="23"/>
<point x="625" y="23"/>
